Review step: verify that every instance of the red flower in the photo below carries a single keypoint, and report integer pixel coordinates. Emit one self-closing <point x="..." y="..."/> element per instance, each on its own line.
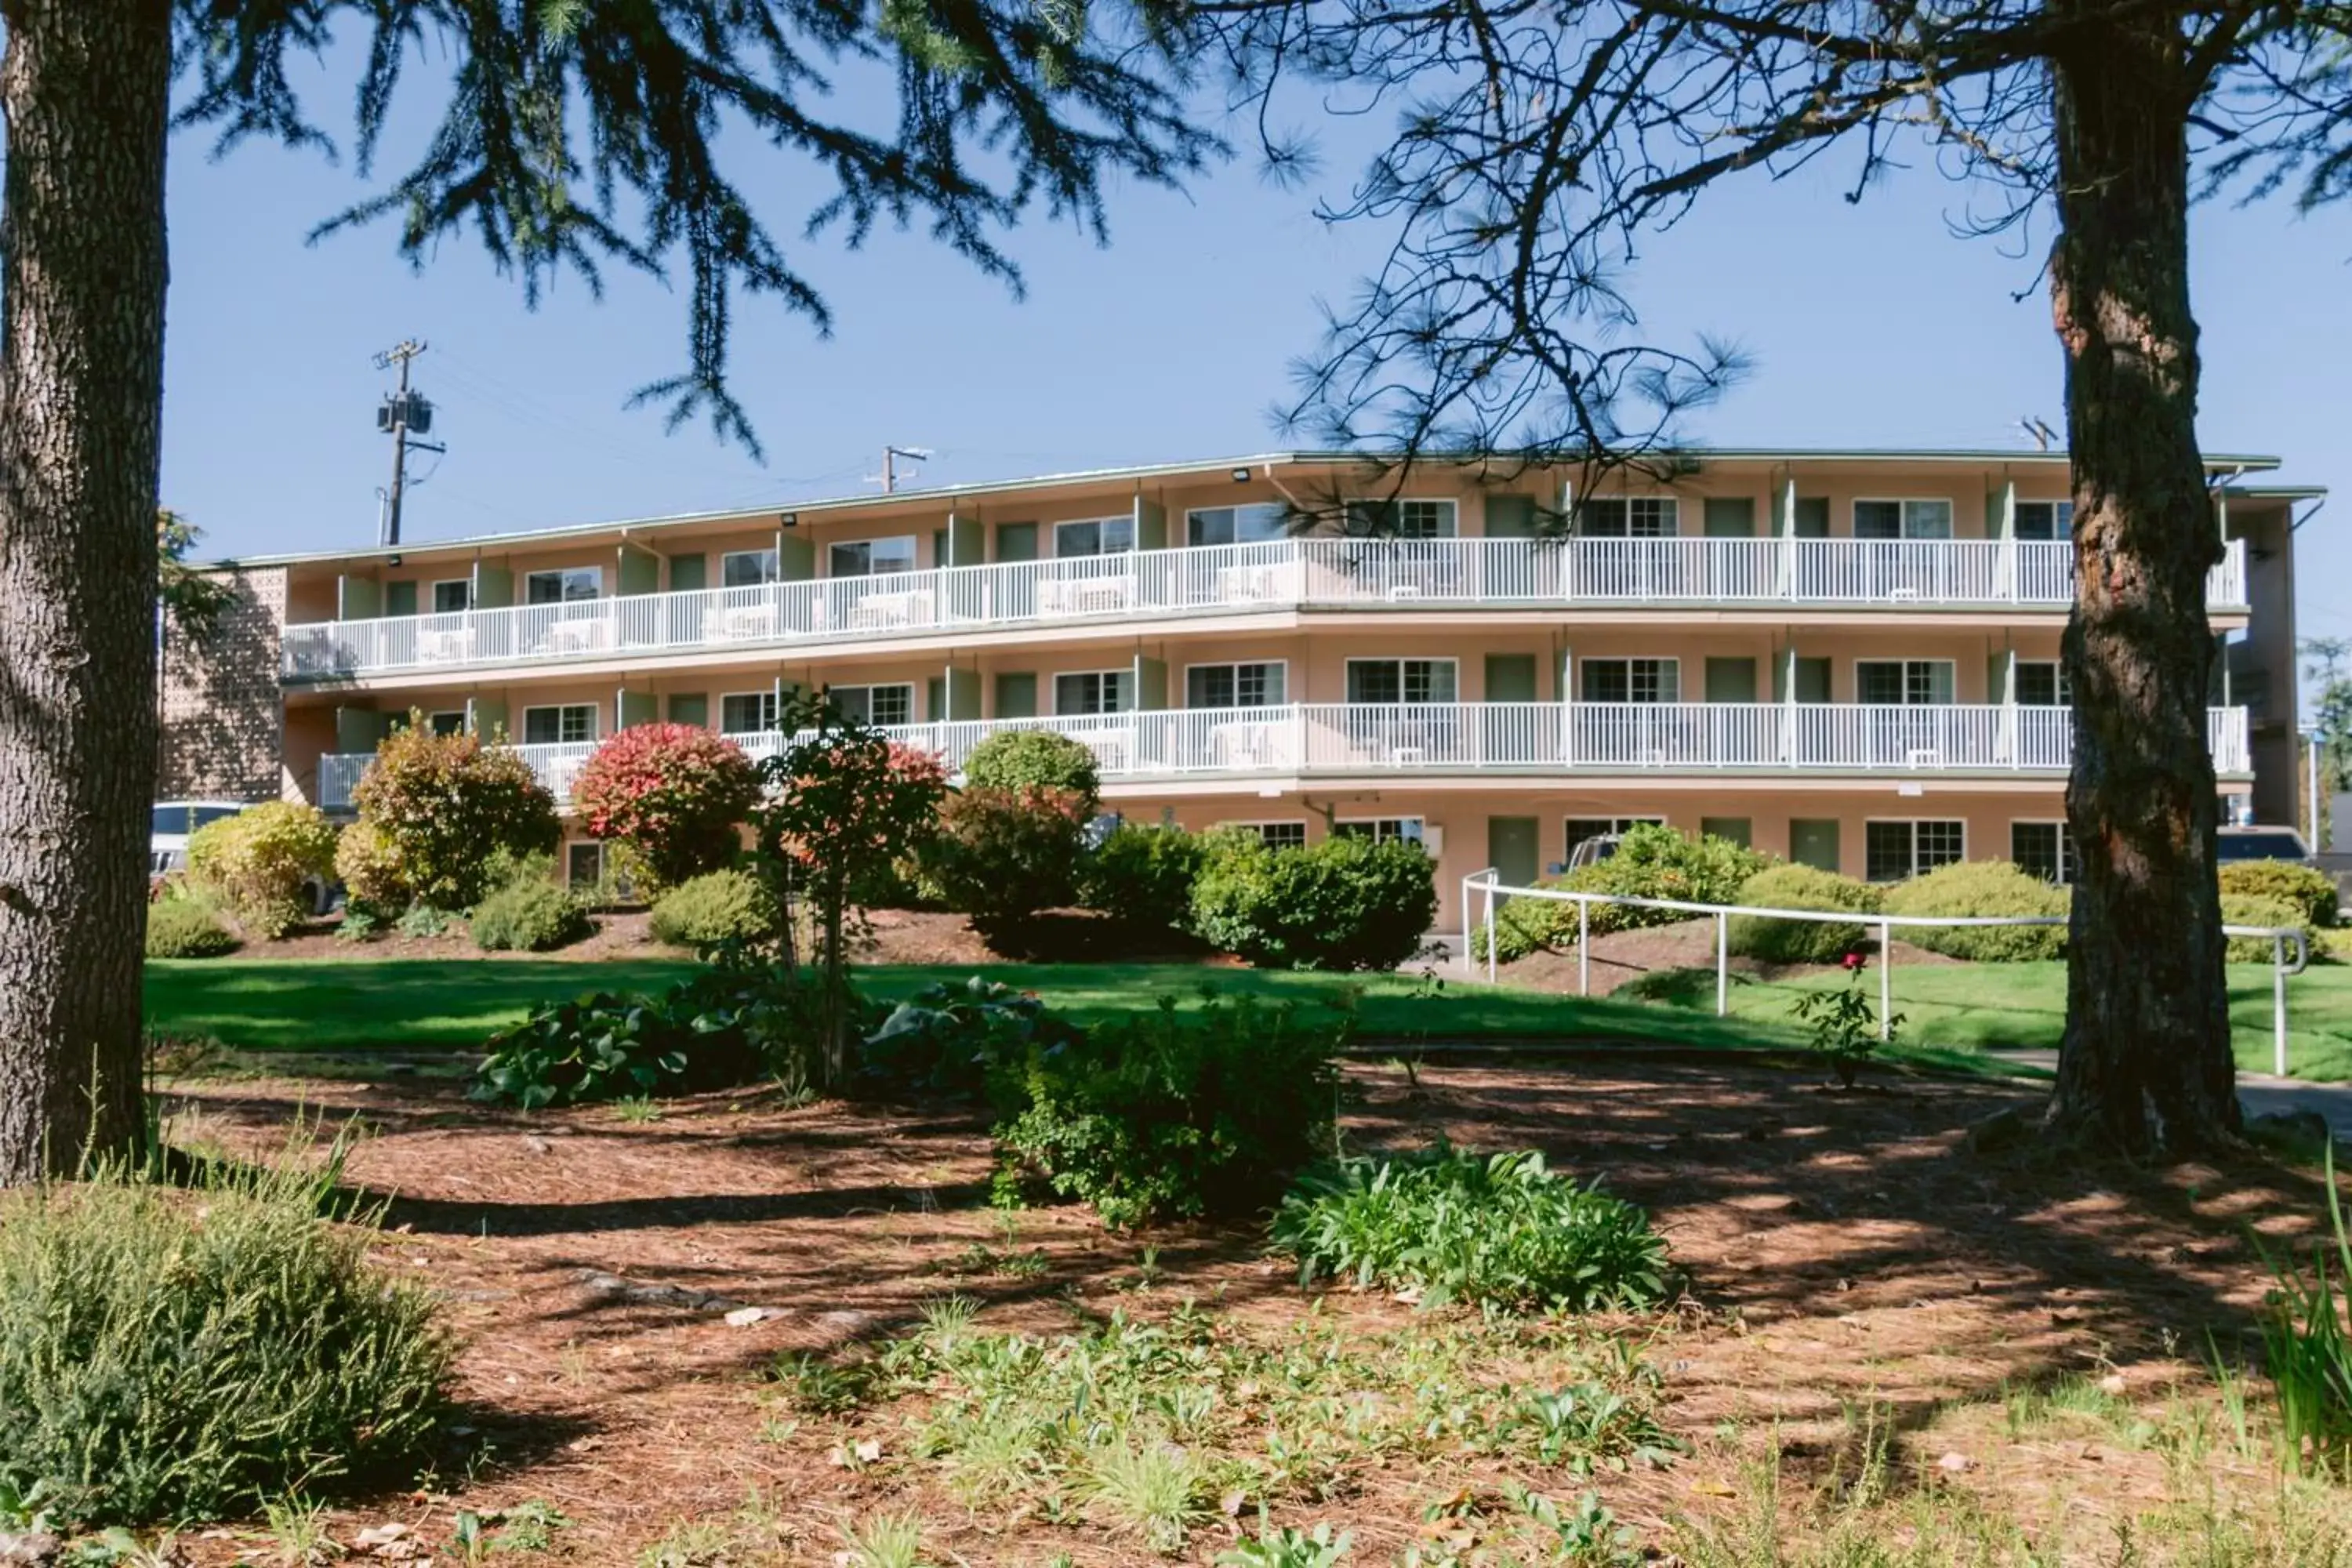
<point x="1854" y="960"/>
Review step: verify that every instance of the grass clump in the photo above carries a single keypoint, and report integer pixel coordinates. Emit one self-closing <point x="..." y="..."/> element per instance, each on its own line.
<point x="1799" y="942"/>
<point x="166" y="1358"/>
<point x="1455" y="1226"/>
<point x="185" y="928"/>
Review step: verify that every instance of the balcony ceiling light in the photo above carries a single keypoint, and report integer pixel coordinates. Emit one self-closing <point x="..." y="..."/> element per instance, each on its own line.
<point x="1241" y="476"/>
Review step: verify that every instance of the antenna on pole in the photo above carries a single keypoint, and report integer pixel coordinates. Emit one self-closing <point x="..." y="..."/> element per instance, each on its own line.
<point x="2039" y="428"/>
<point x="403" y="416"/>
<point x="889" y="477"/>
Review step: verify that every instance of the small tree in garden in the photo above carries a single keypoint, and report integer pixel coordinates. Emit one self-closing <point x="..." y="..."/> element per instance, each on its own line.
<point x="1035" y="759"/>
<point x="677" y="794"/>
<point x="841" y="806"/>
<point x="438" y="807"/>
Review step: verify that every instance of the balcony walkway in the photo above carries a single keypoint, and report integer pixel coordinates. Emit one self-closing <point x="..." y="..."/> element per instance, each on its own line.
<point x="1507" y="741"/>
<point x="1227" y="580"/>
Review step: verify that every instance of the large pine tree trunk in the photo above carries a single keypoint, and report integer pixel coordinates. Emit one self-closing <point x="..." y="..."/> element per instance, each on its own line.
<point x="85" y="90"/>
<point x="2146" y="1067"/>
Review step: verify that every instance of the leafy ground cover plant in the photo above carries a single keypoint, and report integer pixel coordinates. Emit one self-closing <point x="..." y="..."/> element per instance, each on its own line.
<point x="1164" y="1115"/>
<point x="731" y="1024"/>
<point x="164" y="1359"/>
<point x="948" y="1039"/>
<point x="1456" y="1225"/>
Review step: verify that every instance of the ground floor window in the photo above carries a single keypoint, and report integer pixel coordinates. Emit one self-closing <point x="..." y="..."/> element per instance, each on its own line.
<point x="584" y="864"/>
<point x="1277" y="834"/>
<point x="747" y="713"/>
<point x="2045" y="850"/>
<point x="569" y="724"/>
<point x="1894" y="851"/>
<point x="1581" y="828"/>
<point x="1380" y="829"/>
<point x="449" y="722"/>
<point x="880" y="706"/>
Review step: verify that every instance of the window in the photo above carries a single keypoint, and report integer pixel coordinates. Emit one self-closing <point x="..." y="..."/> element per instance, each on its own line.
<point x="452" y="595"/>
<point x="1234" y="685"/>
<point x="2044" y="850"/>
<point x="1629" y="517"/>
<point x="573" y="722"/>
<point x="1096" y="536"/>
<point x="880" y="706"/>
<point x="1903" y="520"/>
<point x="1894" y="682"/>
<point x="584" y="864"/>
<point x="1381" y="829"/>
<point x="1894" y="851"/>
<point x="1401" y="681"/>
<point x="747" y="713"/>
<point x="1277" y="834"/>
<point x="449" y="723"/>
<point x="1237" y="524"/>
<point x="872" y="557"/>
<point x="1632" y="680"/>
<point x="747" y="568"/>
<point x="1581" y="828"/>
<point x="1095" y="691"/>
<point x="562" y="586"/>
<point x="1401" y="519"/>
<point x="2042" y="683"/>
<point x="2045" y="519"/>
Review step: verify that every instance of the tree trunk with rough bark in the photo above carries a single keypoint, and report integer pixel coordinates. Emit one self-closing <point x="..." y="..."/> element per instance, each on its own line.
<point x="2146" y="1067"/>
<point x="85" y="90"/>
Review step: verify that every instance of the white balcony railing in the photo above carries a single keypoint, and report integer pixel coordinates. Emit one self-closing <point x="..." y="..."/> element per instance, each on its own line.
<point x="1222" y="580"/>
<point x="1353" y="740"/>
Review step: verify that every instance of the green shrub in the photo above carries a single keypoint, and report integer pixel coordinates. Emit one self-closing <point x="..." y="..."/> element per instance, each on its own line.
<point x="729" y="1024"/>
<point x="162" y="1359"/>
<point x="1165" y="1116"/>
<point x="1344" y="903"/>
<point x="1799" y="942"/>
<point x="440" y="807"/>
<point x="1143" y="876"/>
<point x="2247" y="910"/>
<point x="370" y="870"/>
<point x="260" y="861"/>
<point x="1652" y="861"/>
<point x="1461" y="1227"/>
<point x="716" y="907"/>
<point x="529" y="916"/>
<point x="948" y="1039"/>
<point x="2307" y="888"/>
<point x="1980" y="888"/>
<point x="1002" y="855"/>
<point x="1035" y="759"/>
<point x="185" y="927"/>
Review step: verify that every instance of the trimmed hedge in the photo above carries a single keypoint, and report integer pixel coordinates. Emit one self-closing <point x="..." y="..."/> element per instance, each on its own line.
<point x="1652" y="861"/>
<point x="259" y="863"/>
<point x="2252" y="909"/>
<point x="1143" y="876"/>
<point x="1345" y="903"/>
<point x="1034" y="759"/>
<point x="2309" y="890"/>
<point x="1979" y="888"/>
<point x="1799" y="942"/>
<point x="716" y="907"/>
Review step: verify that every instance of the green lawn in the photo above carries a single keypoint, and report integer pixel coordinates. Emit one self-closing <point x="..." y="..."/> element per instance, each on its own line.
<point x="1978" y="1007"/>
<point x="1952" y="1012"/>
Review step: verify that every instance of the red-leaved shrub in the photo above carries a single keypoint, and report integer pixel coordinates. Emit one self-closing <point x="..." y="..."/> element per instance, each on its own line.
<point x="677" y="794"/>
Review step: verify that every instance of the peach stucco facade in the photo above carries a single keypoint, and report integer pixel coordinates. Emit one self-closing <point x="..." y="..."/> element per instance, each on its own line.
<point x="1800" y="649"/>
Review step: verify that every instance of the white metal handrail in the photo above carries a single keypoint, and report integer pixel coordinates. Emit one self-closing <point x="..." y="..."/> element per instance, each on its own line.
<point x="1489" y="884"/>
<point x="1220" y="579"/>
<point x="1541" y="738"/>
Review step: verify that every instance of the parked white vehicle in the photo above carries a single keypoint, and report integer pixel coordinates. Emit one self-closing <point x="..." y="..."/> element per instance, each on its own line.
<point x="176" y="820"/>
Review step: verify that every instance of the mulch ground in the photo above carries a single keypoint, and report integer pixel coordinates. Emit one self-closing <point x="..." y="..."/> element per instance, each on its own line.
<point x="1842" y="1251"/>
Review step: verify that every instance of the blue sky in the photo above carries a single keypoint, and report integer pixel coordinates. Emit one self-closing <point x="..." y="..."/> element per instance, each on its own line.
<point x="1869" y="324"/>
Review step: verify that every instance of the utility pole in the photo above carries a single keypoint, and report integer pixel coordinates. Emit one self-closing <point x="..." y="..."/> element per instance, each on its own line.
<point x="888" y="477"/>
<point x="403" y="416"/>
